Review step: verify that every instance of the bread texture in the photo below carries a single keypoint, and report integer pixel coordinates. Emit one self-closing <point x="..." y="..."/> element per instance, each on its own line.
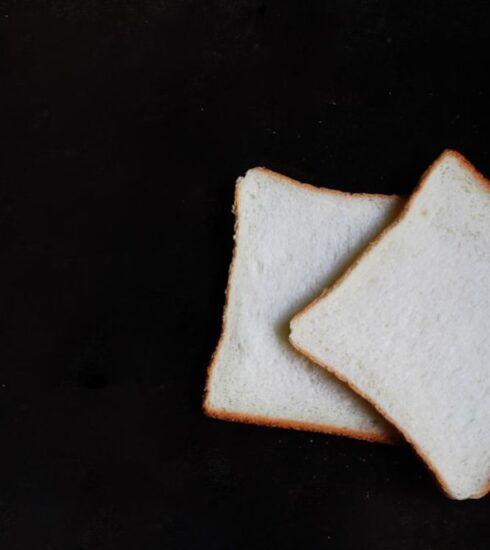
<point x="407" y="325"/>
<point x="291" y="240"/>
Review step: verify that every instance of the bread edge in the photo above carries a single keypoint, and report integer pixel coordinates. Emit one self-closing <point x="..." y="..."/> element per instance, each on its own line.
<point x="331" y="369"/>
<point x="258" y="419"/>
<point x="271" y="422"/>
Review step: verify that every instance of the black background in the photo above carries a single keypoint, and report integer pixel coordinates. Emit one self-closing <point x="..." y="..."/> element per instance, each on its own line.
<point x="123" y="127"/>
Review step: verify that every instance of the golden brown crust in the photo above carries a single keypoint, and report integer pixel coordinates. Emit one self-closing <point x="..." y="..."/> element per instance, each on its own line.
<point x="298" y="425"/>
<point x="262" y="420"/>
<point x="231" y="271"/>
<point x="467" y="164"/>
<point x="425" y="176"/>
<point x="310" y="187"/>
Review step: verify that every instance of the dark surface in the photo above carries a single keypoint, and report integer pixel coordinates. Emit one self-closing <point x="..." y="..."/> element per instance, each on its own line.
<point x="123" y="127"/>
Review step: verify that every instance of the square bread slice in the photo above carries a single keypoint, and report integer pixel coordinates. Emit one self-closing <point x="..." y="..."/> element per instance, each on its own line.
<point x="407" y="326"/>
<point x="291" y="240"/>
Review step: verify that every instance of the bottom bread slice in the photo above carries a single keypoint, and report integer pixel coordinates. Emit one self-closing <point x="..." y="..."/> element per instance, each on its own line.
<point x="407" y="325"/>
<point x="291" y="240"/>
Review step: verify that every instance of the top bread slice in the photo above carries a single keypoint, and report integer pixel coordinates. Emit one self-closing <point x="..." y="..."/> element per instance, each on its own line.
<point x="407" y="326"/>
<point x="291" y="240"/>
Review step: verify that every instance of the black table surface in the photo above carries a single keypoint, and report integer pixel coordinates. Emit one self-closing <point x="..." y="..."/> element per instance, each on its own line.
<point x="124" y="125"/>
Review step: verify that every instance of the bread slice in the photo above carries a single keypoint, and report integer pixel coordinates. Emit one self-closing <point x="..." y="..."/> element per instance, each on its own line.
<point x="407" y="325"/>
<point x="291" y="240"/>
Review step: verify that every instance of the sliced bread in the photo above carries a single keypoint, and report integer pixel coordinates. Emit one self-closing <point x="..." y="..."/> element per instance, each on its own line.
<point x="407" y="325"/>
<point x="291" y="240"/>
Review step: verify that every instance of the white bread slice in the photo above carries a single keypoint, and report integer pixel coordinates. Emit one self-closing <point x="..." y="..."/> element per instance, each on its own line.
<point x="291" y="240"/>
<point x="407" y="325"/>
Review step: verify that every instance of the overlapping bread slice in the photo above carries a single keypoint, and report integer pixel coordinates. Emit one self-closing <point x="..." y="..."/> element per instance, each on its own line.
<point x="408" y="325"/>
<point x="291" y="240"/>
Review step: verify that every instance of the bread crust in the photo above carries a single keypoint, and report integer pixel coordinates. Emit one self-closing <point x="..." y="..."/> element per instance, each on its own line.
<point x="321" y="190"/>
<point x="270" y="421"/>
<point x="296" y="425"/>
<point x="331" y="368"/>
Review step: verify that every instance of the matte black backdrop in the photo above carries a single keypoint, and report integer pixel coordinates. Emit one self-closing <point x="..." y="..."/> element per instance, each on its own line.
<point x="123" y="127"/>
